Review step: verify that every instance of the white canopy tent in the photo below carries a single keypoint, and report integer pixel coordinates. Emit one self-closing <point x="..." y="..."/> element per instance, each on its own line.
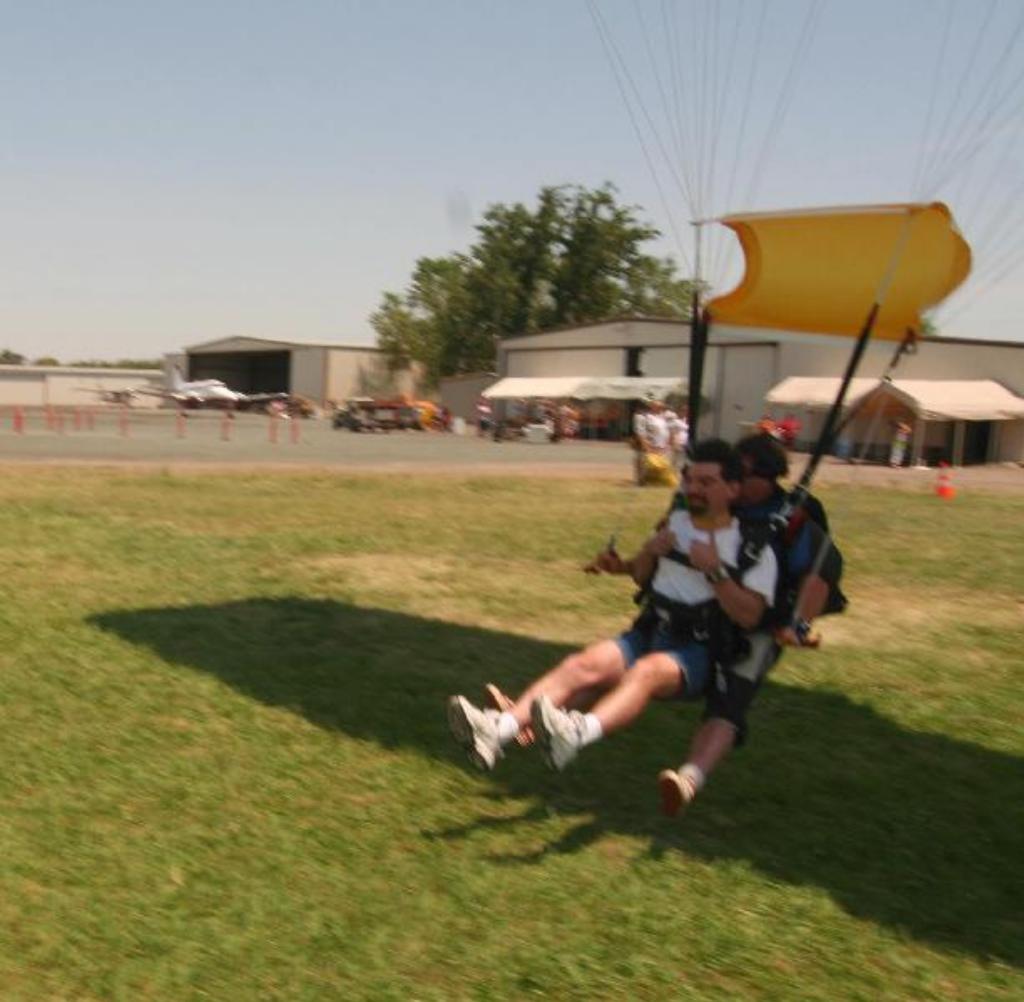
<point x="930" y="399"/>
<point x="957" y="399"/>
<point x="816" y="392"/>
<point x="585" y="388"/>
<point x="956" y="402"/>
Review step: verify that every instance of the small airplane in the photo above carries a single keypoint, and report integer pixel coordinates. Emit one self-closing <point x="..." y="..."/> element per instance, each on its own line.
<point x="196" y="393"/>
<point x="190" y="394"/>
<point x="122" y="397"/>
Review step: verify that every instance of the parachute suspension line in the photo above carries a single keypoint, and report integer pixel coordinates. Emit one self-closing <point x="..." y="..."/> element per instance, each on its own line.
<point x="609" y="53"/>
<point x="828" y="430"/>
<point x="999" y="164"/>
<point x="961" y="87"/>
<point x="784" y="101"/>
<point x="1001" y="248"/>
<point x="907" y="346"/>
<point x="699" y="69"/>
<point x="1009" y="265"/>
<point x="956" y="159"/>
<point x="997" y="234"/>
<point x="894" y="260"/>
<point x="713" y="88"/>
<point x="675" y="134"/>
<point x="916" y="186"/>
<point x="718" y="116"/>
<point x="994" y="77"/>
<point x="698" y="345"/>
<point x="967" y="152"/>
<point x="671" y="31"/>
<point x="1002" y="217"/>
<point x="872" y="427"/>
<point x="719" y="265"/>
<point x="1001" y="251"/>
<point x="703" y="43"/>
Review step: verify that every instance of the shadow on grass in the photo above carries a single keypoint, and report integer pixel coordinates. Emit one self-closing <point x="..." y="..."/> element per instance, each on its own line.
<point x="917" y="831"/>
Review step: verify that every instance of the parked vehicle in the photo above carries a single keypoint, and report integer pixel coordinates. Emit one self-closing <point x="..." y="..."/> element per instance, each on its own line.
<point x="376" y="414"/>
<point x="357" y="414"/>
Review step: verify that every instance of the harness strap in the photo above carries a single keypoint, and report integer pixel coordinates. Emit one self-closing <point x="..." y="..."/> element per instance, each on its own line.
<point x="686" y="622"/>
<point x="696" y="613"/>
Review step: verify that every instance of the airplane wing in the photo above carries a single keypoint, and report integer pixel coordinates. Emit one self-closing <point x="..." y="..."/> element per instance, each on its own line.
<point x="260" y="398"/>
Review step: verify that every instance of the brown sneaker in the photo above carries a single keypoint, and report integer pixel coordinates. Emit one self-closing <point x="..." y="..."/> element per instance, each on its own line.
<point x="500" y="702"/>
<point x="676" y="791"/>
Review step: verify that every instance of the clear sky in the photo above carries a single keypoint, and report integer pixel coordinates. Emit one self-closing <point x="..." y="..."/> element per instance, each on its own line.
<point x="178" y="172"/>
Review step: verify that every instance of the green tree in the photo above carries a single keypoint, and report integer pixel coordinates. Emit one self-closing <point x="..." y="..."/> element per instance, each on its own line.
<point x="8" y="357"/>
<point x="121" y="363"/>
<point x="46" y="360"/>
<point x="576" y="257"/>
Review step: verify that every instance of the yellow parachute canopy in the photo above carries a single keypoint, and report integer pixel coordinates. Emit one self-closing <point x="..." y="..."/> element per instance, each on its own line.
<point x="820" y="270"/>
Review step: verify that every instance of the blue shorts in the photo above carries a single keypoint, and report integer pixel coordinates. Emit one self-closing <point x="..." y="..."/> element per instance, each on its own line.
<point x="693" y="659"/>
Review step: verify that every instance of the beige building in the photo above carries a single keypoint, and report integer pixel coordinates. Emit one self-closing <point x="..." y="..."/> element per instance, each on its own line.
<point x="75" y="386"/>
<point x="321" y="372"/>
<point x="742" y="367"/>
<point x="461" y="393"/>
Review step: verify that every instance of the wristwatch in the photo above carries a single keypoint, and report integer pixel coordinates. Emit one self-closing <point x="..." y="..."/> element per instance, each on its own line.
<point x="718" y="575"/>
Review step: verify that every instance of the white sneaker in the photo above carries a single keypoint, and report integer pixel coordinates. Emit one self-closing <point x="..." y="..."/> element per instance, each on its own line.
<point x="476" y="731"/>
<point x="677" y="791"/>
<point x="559" y="733"/>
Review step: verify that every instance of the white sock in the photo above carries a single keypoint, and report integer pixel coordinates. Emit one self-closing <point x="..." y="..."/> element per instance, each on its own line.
<point x="508" y="728"/>
<point x="592" y="730"/>
<point x="695" y="774"/>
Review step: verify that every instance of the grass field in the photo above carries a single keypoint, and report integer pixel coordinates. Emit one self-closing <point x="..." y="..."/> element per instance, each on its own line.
<point x="226" y="771"/>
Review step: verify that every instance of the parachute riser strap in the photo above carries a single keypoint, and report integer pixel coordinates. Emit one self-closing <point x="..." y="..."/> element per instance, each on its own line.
<point x="828" y="431"/>
<point x="698" y="346"/>
<point x="815" y="571"/>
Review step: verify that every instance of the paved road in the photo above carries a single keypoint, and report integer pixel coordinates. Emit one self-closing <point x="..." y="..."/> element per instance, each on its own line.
<point x="207" y="440"/>
<point x="247" y="439"/>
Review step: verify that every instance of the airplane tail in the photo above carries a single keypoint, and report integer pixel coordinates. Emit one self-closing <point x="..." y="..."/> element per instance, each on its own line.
<point x="176" y="379"/>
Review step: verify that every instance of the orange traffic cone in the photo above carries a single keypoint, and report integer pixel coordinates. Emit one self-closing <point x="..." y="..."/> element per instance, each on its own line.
<point x="944" y="483"/>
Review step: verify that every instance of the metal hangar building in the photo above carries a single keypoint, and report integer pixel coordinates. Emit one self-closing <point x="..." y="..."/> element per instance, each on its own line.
<point x="320" y="372"/>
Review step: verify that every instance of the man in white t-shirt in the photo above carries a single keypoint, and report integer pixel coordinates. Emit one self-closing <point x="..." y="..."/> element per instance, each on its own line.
<point x="678" y="436"/>
<point x="658" y="432"/>
<point x="640" y="441"/>
<point x="697" y="596"/>
<point x="652" y="433"/>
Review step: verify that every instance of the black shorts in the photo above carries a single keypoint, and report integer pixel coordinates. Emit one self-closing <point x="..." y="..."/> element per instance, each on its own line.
<point x="732" y="690"/>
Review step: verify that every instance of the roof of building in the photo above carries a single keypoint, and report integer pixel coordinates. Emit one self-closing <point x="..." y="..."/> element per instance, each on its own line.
<point x="79" y="370"/>
<point x="280" y="343"/>
<point x="584" y="387"/>
<point x="749" y="334"/>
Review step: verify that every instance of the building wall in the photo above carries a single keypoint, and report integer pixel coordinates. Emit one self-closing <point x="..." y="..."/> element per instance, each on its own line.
<point x="934" y="359"/>
<point x="460" y="393"/>
<point x="363" y="372"/>
<point x="72" y="386"/>
<point x="566" y="362"/>
<point x="665" y="361"/>
<point x="1009" y="443"/>
<point x="617" y="333"/>
<point x="307" y="376"/>
<point x="744" y="373"/>
<point x="742" y="365"/>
